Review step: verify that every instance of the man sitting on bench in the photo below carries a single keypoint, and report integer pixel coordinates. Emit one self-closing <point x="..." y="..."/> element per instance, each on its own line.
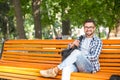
<point x="84" y="59"/>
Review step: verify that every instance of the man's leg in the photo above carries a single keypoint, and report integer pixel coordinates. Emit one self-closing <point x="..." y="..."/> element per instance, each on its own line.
<point x="71" y="59"/>
<point x="73" y="63"/>
<point x="76" y="57"/>
<point x="66" y="72"/>
<point x="83" y="64"/>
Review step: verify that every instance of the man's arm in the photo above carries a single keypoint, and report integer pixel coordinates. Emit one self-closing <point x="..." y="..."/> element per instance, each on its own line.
<point x="75" y="43"/>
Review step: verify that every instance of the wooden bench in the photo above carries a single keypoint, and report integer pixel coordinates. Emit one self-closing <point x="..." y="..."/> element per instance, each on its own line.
<point x="23" y="59"/>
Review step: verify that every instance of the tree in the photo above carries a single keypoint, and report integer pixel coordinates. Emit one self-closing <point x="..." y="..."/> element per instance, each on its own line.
<point x="36" y="15"/>
<point x="62" y="14"/>
<point x="6" y="27"/>
<point x="66" y="22"/>
<point x="117" y="17"/>
<point x="19" y="19"/>
<point x="4" y="19"/>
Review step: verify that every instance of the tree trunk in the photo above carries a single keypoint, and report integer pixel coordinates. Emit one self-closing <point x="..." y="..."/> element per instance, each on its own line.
<point x="66" y="28"/>
<point x="118" y="29"/>
<point x="19" y="19"/>
<point x="36" y="15"/>
<point x="108" y="35"/>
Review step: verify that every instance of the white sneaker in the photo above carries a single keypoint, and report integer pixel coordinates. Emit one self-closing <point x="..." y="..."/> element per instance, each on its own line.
<point x="48" y="73"/>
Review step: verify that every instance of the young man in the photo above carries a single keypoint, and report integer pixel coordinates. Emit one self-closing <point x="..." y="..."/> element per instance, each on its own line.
<point x="84" y="59"/>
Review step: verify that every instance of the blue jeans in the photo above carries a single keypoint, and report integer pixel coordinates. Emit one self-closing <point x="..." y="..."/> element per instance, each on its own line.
<point x="75" y="62"/>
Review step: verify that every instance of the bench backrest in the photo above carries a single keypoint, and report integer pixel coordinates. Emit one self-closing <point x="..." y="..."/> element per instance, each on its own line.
<point x="109" y="58"/>
<point x="36" y="46"/>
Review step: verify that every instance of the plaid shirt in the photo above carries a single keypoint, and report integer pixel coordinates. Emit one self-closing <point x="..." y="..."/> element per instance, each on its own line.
<point x="95" y="49"/>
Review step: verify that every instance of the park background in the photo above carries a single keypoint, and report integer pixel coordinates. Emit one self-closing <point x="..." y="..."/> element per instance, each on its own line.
<point x="53" y="19"/>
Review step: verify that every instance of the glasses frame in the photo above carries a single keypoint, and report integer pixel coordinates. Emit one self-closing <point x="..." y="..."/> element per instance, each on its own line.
<point x="89" y="27"/>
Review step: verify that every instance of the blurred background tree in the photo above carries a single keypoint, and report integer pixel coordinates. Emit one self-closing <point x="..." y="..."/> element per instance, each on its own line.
<point x="46" y="19"/>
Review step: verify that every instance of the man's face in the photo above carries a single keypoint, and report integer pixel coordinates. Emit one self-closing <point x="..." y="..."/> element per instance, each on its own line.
<point x="89" y="29"/>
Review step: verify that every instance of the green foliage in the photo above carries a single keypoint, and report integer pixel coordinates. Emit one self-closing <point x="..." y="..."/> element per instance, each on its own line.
<point x="6" y="19"/>
<point x="117" y="9"/>
<point x="26" y="6"/>
<point x="105" y="13"/>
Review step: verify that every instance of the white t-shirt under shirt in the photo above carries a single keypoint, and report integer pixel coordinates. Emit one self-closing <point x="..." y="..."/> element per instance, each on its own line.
<point x="85" y="46"/>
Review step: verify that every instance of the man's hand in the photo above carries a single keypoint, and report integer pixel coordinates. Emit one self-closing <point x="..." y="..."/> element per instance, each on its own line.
<point x="75" y="43"/>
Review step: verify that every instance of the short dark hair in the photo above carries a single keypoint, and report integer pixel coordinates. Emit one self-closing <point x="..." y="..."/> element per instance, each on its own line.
<point x="89" y="20"/>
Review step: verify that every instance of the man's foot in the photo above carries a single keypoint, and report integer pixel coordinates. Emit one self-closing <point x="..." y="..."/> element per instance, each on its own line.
<point x="49" y="73"/>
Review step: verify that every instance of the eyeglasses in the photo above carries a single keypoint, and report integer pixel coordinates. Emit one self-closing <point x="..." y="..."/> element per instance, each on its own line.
<point x="89" y="27"/>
